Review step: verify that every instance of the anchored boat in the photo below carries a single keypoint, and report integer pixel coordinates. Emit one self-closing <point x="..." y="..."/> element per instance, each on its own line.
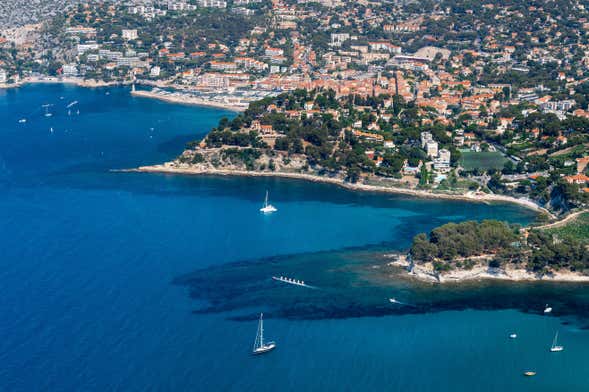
<point x="555" y="347"/>
<point x="268" y="208"/>
<point x="259" y="346"/>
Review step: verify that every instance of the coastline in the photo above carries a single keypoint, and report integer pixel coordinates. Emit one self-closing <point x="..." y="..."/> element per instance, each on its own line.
<point x="426" y="273"/>
<point x="88" y="83"/>
<point x="187" y="100"/>
<point x="173" y="168"/>
<point x="92" y="83"/>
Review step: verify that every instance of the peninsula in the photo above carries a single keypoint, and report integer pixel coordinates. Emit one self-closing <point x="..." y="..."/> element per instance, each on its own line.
<point x="382" y="143"/>
<point x="491" y="249"/>
<point x="375" y="144"/>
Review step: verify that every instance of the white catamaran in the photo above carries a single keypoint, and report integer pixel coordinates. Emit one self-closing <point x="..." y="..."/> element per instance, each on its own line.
<point x="555" y="347"/>
<point x="268" y="208"/>
<point x="259" y="346"/>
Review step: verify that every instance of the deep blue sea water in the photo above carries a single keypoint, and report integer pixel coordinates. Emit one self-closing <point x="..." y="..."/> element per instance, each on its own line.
<point x="133" y="282"/>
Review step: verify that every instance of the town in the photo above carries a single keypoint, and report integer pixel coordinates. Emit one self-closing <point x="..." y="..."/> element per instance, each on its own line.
<point x="448" y="96"/>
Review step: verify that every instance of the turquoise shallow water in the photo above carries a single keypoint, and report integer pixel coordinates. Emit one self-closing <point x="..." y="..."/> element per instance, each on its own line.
<point x="122" y="281"/>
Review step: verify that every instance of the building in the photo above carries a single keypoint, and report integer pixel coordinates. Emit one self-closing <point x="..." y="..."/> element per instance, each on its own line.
<point x="129" y="35"/>
<point x="431" y="148"/>
<point x="83" y="48"/>
<point x="70" y="70"/>
<point x="3" y="76"/>
<point x="425" y="137"/>
<point x="337" y="39"/>
<point x="212" y="3"/>
<point x="155" y="71"/>
<point x="442" y="161"/>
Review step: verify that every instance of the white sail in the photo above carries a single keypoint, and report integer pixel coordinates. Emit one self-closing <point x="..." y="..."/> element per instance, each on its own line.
<point x="268" y="208"/>
<point x="555" y="347"/>
<point x="259" y="346"/>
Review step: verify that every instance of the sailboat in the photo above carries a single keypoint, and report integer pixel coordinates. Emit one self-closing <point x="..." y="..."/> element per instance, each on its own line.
<point x="555" y="347"/>
<point x="259" y="346"/>
<point x="268" y="208"/>
<point x="47" y="113"/>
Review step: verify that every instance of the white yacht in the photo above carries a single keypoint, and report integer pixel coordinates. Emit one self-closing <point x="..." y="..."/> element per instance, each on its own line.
<point x="513" y="336"/>
<point x="555" y="347"/>
<point x="259" y="346"/>
<point x="268" y="208"/>
<point x="22" y="120"/>
<point x="547" y="309"/>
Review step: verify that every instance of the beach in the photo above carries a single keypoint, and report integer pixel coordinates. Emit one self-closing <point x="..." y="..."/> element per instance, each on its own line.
<point x="188" y="100"/>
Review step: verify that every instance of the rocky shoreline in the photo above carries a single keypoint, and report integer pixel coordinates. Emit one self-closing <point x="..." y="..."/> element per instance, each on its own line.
<point x="189" y="169"/>
<point x="481" y="271"/>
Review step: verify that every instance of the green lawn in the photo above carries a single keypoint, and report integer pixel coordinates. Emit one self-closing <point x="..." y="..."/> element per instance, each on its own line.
<point x="578" y="229"/>
<point x="483" y="160"/>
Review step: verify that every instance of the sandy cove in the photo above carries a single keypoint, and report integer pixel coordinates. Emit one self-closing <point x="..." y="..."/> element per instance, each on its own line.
<point x="173" y="168"/>
<point x="187" y="100"/>
<point x="426" y="273"/>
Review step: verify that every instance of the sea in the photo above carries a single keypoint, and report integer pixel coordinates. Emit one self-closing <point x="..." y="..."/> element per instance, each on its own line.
<point x="119" y="281"/>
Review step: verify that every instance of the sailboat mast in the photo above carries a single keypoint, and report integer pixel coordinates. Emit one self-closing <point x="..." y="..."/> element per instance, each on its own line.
<point x="261" y="330"/>
<point x="266" y="200"/>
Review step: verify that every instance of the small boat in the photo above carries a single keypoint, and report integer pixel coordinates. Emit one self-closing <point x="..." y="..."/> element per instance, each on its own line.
<point x="69" y="112"/>
<point x="51" y="129"/>
<point x="529" y="374"/>
<point x="547" y="309"/>
<point x="22" y="120"/>
<point x="291" y="281"/>
<point x="259" y="346"/>
<point x="513" y="336"/>
<point x="47" y="113"/>
<point x="71" y="104"/>
<point x="555" y="347"/>
<point x="78" y="112"/>
<point x="393" y="301"/>
<point x="268" y="208"/>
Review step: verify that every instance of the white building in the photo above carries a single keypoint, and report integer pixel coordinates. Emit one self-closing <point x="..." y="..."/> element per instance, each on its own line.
<point x="155" y="71"/>
<point x="442" y="162"/>
<point x="3" y="76"/>
<point x="129" y="35"/>
<point x="337" y="39"/>
<point x="70" y="70"/>
<point x="431" y="148"/>
<point x="83" y="48"/>
<point x="425" y="137"/>
<point x="212" y="3"/>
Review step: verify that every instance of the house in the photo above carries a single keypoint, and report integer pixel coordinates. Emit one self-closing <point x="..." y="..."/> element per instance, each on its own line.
<point x="582" y="164"/>
<point x="411" y="170"/>
<point x="577" y="179"/>
<point x="129" y="35"/>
